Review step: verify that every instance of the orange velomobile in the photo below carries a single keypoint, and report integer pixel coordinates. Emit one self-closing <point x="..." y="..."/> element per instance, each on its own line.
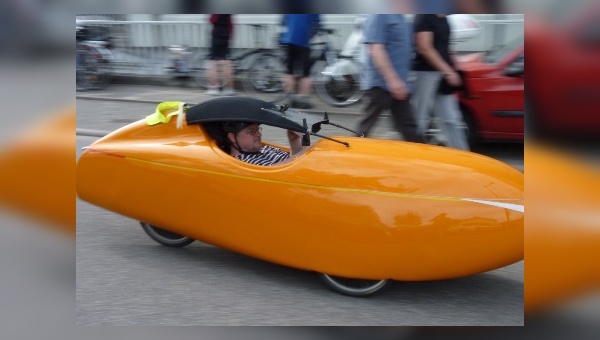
<point x="358" y="211"/>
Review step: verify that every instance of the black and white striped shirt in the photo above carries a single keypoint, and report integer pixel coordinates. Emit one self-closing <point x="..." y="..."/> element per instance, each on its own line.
<point x="267" y="155"/>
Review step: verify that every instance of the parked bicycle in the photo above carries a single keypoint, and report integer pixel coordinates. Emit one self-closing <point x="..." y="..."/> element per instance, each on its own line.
<point x="335" y="83"/>
<point x="92" y="57"/>
<point x="267" y="72"/>
<point x="260" y="70"/>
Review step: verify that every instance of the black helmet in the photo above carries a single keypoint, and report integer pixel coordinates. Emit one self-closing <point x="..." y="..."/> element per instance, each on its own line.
<point x="235" y="127"/>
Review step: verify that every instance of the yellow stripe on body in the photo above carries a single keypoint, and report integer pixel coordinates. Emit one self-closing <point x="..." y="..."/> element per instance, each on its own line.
<point x="316" y="186"/>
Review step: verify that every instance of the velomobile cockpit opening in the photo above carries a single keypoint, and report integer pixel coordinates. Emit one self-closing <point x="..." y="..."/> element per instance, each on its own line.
<point x="215" y="132"/>
<point x="212" y="113"/>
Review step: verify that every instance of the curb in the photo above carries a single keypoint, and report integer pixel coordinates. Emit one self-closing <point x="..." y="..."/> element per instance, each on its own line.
<point x="167" y="82"/>
<point x="156" y="102"/>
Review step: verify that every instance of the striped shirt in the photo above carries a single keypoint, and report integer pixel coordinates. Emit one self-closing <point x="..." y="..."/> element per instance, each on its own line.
<point x="267" y="155"/>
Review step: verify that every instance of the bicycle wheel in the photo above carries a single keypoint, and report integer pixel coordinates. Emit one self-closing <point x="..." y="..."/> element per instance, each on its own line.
<point x="80" y="77"/>
<point x="93" y="71"/>
<point x="264" y="78"/>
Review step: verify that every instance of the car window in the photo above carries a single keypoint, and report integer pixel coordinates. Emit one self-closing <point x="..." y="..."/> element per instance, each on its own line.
<point x="517" y="67"/>
<point x="498" y="52"/>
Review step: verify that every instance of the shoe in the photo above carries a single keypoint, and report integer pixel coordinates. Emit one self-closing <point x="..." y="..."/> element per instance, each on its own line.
<point x="229" y="92"/>
<point x="212" y="92"/>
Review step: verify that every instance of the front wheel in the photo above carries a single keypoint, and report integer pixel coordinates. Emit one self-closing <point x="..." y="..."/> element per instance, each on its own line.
<point x="353" y="287"/>
<point x="165" y="237"/>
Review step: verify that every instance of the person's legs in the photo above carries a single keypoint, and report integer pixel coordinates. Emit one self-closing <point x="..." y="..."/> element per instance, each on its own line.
<point x="213" y="80"/>
<point x="289" y="79"/>
<point x="226" y="67"/>
<point x="376" y="100"/>
<point x="423" y="96"/>
<point x="451" y="120"/>
<point x="305" y="83"/>
<point x="217" y="69"/>
<point x="304" y="90"/>
<point x="404" y="121"/>
<point x="212" y="70"/>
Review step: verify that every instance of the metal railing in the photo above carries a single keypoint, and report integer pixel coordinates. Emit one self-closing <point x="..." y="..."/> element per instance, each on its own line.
<point x="142" y="46"/>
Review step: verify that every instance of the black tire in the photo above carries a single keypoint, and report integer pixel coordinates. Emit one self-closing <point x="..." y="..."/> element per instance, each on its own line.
<point x="82" y="81"/>
<point x="354" y="287"/>
<point x="104" y="75"/>
<point x="165" y="237"/>
<point x="94" y="71"/>
<point x="337" y="91"/>
<point x="264" y="78"/>
<point x="471" y="128"/>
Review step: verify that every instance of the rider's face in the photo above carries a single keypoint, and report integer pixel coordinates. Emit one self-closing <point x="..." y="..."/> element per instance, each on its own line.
<point x="249" y="138"/>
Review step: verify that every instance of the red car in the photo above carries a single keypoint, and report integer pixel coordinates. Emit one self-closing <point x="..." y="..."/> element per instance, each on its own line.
<point x="493" y="103"/>
<point x="563" y="90"/>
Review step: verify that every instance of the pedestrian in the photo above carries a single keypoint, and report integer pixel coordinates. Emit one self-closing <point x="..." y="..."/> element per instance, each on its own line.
<point x="298" y="30"/>
<point x="437" y="79"/>
<point x="220" y="68"/>
<point x="385" y="77"/>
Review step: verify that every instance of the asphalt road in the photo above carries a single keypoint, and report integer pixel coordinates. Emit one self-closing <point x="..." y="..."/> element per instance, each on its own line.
<point x="125" y="278"/>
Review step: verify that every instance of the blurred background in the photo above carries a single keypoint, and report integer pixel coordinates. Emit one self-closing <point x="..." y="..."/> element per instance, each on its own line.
<point x="37" y="288"/>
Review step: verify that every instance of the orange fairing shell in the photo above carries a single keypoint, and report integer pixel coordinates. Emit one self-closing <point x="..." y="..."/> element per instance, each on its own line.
<point x="375" y="210"/>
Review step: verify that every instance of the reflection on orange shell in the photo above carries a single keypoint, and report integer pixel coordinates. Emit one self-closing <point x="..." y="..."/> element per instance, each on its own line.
<point x="562" y="233"/>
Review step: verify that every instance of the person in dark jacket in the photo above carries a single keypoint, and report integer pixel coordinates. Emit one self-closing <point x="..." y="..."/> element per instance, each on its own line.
<point x="437" y="79"/>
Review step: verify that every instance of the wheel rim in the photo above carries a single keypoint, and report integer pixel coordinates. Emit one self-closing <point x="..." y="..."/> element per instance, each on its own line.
<point x="354" y="287"/>
<point x="338" y="92"/>
<point x="165" y="237"/>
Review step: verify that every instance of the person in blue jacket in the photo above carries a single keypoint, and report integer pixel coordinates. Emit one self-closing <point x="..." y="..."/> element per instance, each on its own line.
<point x="298" y="30"/>
<point x="385" y="76"/>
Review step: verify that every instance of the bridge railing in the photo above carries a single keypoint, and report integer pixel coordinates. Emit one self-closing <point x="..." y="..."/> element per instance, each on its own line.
<point x="143" y="45"/>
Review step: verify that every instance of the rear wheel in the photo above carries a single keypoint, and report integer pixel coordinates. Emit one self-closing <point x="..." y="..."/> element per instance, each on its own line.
<point x="342" y="90"/>
<point x="165" y="237"/>
<point x="354" y="287"/>
<point x="338" y="92"/>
